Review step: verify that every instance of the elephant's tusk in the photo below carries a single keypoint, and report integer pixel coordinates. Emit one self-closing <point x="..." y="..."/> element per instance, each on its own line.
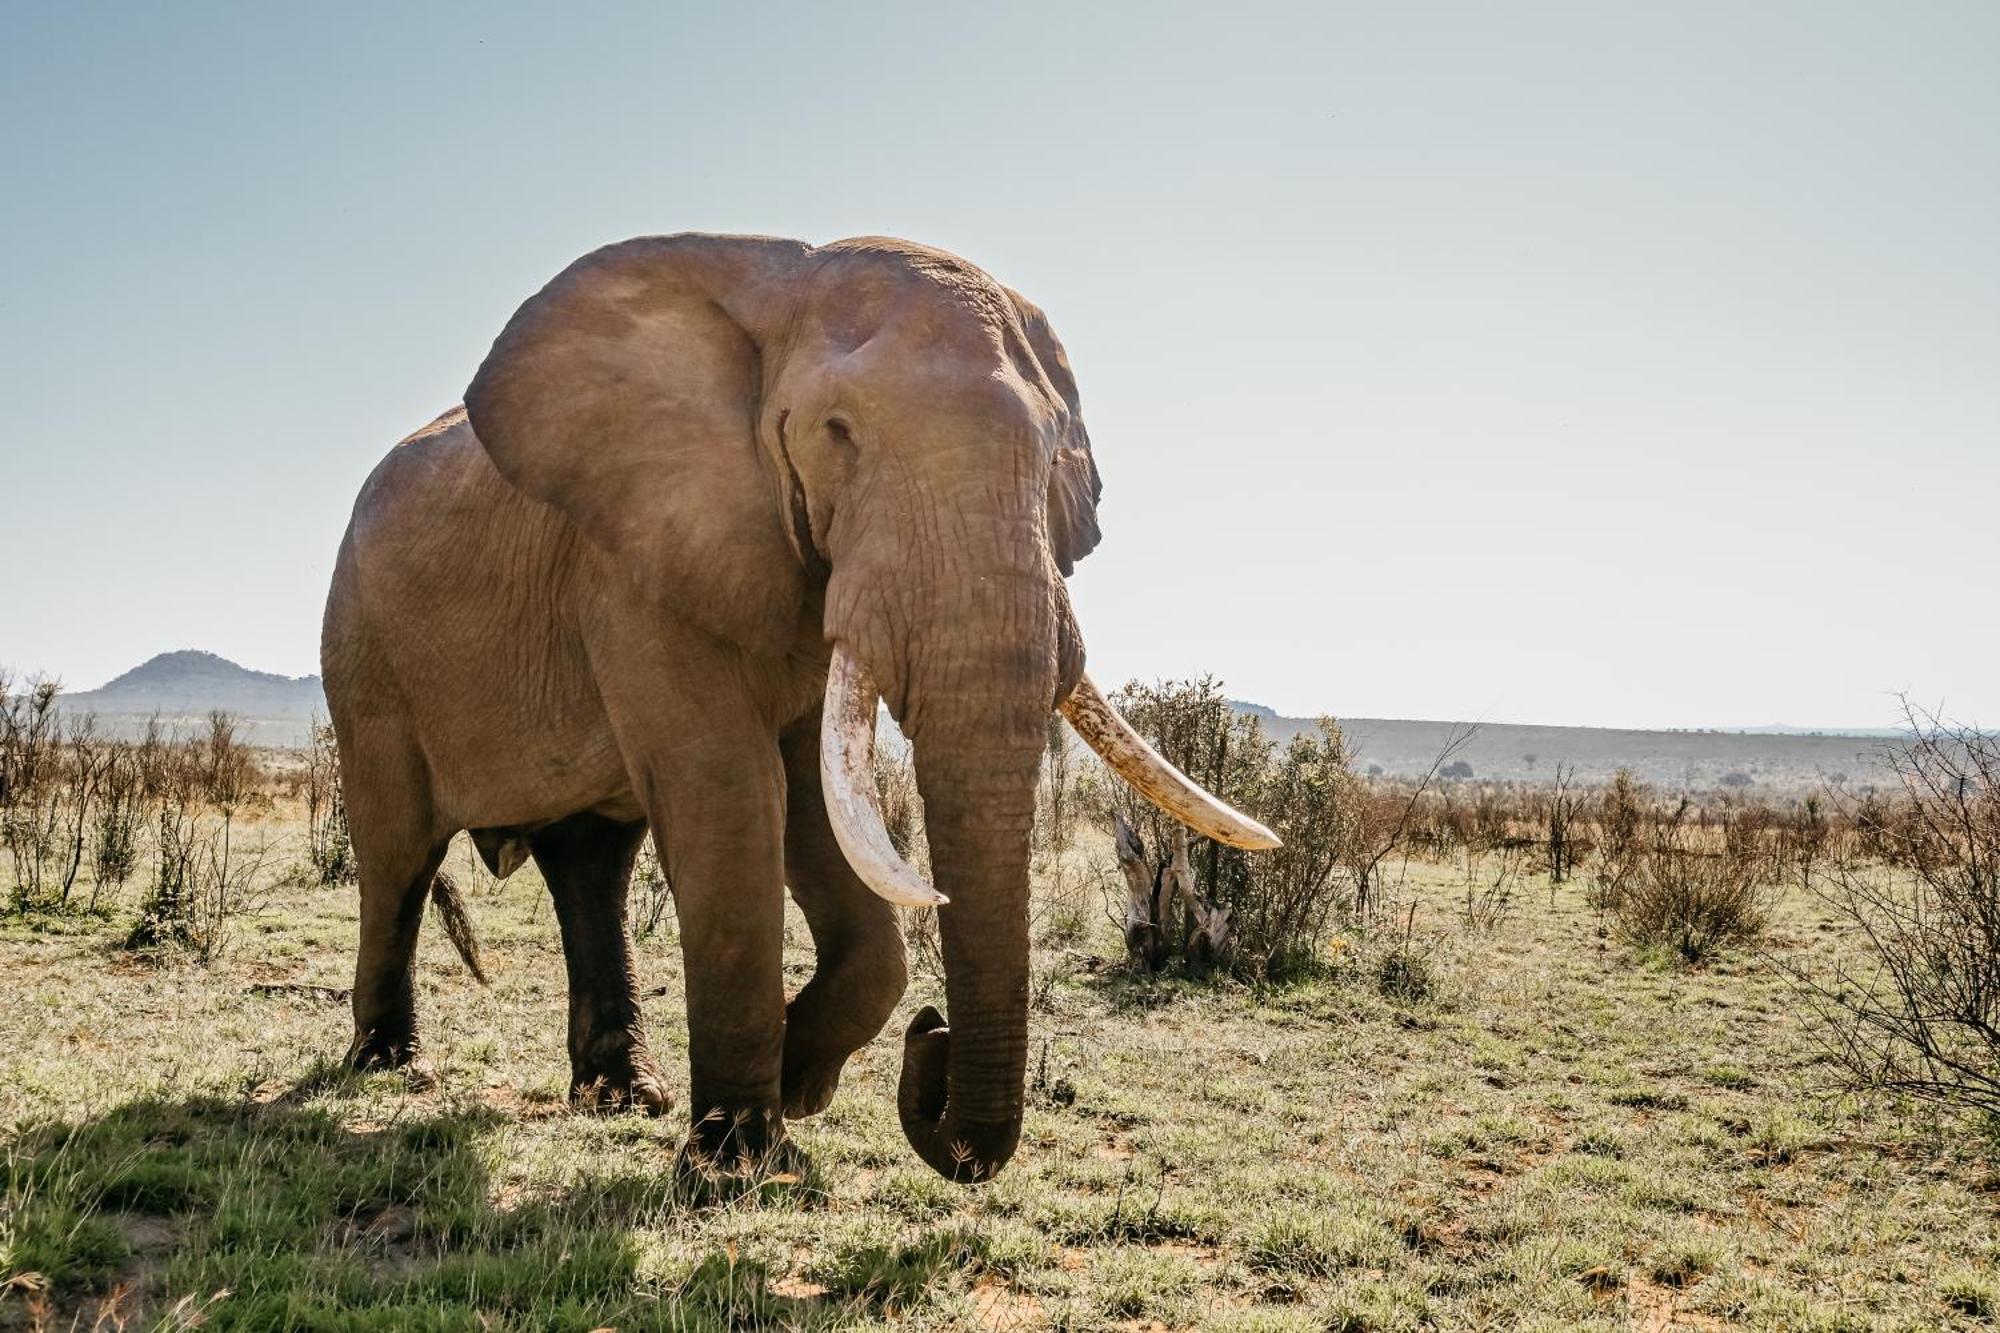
<point x="1128" y="755"/>
<point x="847" y="778"/>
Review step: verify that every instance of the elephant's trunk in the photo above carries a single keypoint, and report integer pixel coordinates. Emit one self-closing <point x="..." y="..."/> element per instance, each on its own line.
<point x="960" y="1096"/>
<point x="981" y="674"/>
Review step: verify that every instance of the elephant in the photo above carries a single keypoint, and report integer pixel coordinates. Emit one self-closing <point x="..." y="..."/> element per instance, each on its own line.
<point x="706" y="501"/>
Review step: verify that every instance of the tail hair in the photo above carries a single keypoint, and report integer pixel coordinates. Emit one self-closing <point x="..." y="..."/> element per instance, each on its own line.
<point x="449" y="905"/>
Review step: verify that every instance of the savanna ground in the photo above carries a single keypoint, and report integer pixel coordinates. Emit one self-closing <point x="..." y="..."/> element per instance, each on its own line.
<point x="1527" y="1126"/>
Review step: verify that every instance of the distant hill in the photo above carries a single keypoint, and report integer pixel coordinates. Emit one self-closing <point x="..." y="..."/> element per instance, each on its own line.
<point x="184" y="687"/>
<point x="1769" y="761"/>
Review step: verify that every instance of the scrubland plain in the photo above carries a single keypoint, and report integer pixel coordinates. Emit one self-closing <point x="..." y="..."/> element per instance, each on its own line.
<point x="1478" y="1110"/>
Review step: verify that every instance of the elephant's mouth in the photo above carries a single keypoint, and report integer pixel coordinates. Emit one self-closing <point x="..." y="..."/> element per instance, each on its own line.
<point x="846" y="751"/>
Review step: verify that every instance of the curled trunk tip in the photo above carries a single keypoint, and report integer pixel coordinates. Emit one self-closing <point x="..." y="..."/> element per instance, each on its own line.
<point x="960" y="1151"/>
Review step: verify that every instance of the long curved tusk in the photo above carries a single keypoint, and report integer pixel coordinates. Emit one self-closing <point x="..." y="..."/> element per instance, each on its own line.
<point x="1128" y="755"/>
<point x="847" y="778"/>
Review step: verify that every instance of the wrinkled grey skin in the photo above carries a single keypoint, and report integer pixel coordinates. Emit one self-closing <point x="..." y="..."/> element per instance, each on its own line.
<point x="602" y="596"/>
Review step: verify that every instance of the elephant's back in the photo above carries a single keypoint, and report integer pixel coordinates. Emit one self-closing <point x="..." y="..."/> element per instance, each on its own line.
<point x="439" y="538"/>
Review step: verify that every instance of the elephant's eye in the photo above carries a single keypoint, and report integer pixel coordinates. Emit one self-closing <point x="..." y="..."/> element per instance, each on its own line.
<point x="841" y="436"/>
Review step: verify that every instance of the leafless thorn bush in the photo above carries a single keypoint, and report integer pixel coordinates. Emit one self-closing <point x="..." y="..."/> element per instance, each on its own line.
<point x="1490" y="894"/>
<point x="902" y="806"/>
<point x="903" y="817"/>
<point x="654" y="895"/>
<point x="1565" y="816"/>
<point x="1068" y="887"/>
<point x="1921" y="883"/>
<point x="329" y="850"/>
<point x="1386" y="826"/>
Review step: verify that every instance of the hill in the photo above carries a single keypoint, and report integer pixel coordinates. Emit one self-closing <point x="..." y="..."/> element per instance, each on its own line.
<point x="184" y="687"/>
<point x="1770" y="761"/>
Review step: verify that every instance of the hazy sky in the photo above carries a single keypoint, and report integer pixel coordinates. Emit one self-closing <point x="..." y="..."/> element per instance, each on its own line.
<point x="1589" y="363"/>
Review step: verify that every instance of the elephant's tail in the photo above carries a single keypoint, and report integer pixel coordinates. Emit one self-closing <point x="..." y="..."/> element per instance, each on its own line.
<point x="457" y="923"/>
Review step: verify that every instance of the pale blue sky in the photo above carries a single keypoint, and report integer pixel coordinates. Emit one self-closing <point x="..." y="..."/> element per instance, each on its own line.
<point x="1586" y="363"/>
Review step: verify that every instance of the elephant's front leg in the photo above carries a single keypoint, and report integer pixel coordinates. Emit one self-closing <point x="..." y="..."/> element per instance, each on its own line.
<point x="720" y="822"/>
<point x="587" y="861"/>
<point x="703" y="757"/>
<point x="859" y="972"/>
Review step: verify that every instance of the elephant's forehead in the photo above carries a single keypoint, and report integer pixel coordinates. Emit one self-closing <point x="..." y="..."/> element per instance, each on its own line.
<point x="869" y="278"/>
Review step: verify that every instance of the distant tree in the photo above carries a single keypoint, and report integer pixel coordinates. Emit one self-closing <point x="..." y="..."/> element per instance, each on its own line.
<point x="1457" y="768"/>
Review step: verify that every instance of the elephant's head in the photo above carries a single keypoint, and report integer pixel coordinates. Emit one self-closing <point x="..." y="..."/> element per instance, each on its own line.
<point x="755" y="427"/>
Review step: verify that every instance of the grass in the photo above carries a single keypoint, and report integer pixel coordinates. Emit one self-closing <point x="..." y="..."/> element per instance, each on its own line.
<point x="1549" y="1132"/>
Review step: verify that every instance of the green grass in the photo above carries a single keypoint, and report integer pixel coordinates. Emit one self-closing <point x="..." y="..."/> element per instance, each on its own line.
<point x="1550" y="1132"/>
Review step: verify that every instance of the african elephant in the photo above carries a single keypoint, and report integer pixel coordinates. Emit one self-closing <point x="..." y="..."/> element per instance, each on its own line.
<point x="706" y="499"/>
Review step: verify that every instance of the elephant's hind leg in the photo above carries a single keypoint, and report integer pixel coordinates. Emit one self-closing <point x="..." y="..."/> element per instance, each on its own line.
<point x="397" y="850"/>
<point x="859" y="973"/>
<point x="587" y="861"/>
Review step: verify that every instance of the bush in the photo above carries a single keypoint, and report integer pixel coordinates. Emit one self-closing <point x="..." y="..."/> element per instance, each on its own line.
<point x="1689" y="899"/>
<point x="203" y="877"/>
<point x="1621" y="816"/>
<point x="1924" y="1018"/>
<point x="328" y="846"/>
<point x="1284" y="907"/>
<point x="1279" y="905"/>
<point x="652" y="895"/>
<point x="1194" y="727"/>
<point x="1692" y="903"/>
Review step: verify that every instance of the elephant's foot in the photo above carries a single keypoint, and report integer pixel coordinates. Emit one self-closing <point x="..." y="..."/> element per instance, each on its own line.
<point x="629" y="1081"/>
<point x="380" y="1049"/>
<point x="746" y="1146"/>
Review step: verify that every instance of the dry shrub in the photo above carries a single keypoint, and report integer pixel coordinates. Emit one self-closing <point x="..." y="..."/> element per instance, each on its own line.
<point x="329" y="848"/>
<point x="31" y="793"/>
<point x="1490" y="890"/>
<point x="903" y="816"/>
<point x="1564" y="814"/>
<point x="651" y="892"/>
<point x="1621" y="818"/>
<point x="1069" y="888"/>
<point x="204" y="877"/>
<point x="118" y="824"/>
<point x="1922" y="885"/>
<point x="1690" y="900"/>
<point x="902" y="806"/>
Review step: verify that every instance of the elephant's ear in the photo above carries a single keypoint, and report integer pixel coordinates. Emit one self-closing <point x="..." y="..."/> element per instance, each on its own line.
<point x="1074" y="486"/>
<point x="625" y="394"/>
